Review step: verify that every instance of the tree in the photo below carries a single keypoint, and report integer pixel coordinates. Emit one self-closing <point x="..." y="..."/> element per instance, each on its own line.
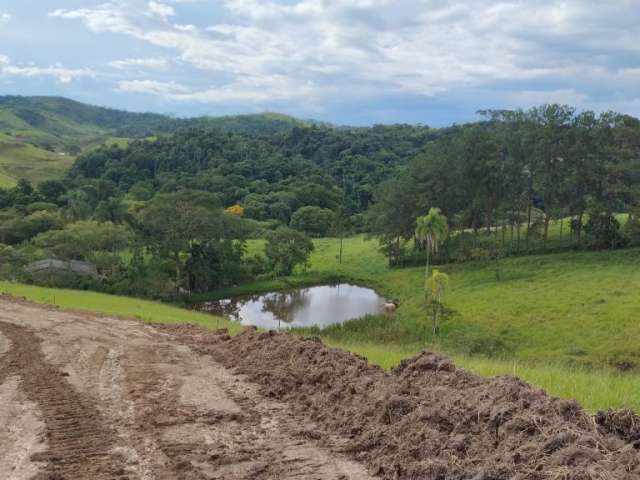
<point x="431" y="230"/>
<point x="52" y="190"/>
<point x="313" y="221"/>
<point x="341" y="226"/>
<point x="286" y="248"/>
<point x="392" y="217"/>
<point x="236" y="210"/>
<point x="111" y="210"/>
<point x="437" y="285"/>
<point x="214" y="264"/>
<point x="83" y="240"/>
<point x="24" y="187"/>
<point x="553" y="135"/>
<point x="604" y="229"/>
<point x="173" y="221"/>
<point x="11" y="262"/>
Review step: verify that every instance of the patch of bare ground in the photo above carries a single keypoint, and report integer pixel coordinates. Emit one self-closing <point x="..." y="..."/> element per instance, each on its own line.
<point x="120" y="399"/>
<point x="78" y="441"/>
<point x="428" y="419"/>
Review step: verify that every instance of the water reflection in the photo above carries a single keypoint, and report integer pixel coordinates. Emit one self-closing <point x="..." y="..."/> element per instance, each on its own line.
<point x="305" y="307"/>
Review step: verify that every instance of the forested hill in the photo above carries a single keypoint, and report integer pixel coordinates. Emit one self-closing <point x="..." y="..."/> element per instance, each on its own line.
<point x="64" y="125"/>
<point x="270" y="176"/>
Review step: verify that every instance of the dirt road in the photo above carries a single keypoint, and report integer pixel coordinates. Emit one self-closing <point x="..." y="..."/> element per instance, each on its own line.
<point x="86" y="397"/>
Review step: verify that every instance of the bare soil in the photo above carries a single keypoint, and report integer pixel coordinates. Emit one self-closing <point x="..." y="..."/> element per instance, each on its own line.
<point x="89" y="397"/>
<point x="83" y="396"/>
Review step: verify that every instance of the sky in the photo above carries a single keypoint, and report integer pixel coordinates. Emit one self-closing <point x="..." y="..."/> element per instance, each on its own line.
<point x="350" y="62"/>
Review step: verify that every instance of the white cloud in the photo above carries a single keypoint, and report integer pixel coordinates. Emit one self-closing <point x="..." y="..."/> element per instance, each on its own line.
<point x="104" y="18"/>
<point x="253" y="90"/>
<point x="140" y="63"/>
<point x="346" y="48"/>
<point x="152" y="87"/>
<point x="63" y="75"/>
<point x="568" y="96"/>
<point x="4" y="17"/>
<point x="161" y="10"/>
<point x="186" y="28"/>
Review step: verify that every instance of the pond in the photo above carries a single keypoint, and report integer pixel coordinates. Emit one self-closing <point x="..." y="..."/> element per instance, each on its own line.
<point x="305" y="307"/>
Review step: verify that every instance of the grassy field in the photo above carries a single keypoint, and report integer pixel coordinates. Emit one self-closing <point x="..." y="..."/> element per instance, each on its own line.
<point x="7" y="181"/>
<point x="22" y="160"/>
<point x="577" y="307"/>
<point x="562" y="321"/>
<point x="116" y="306"/>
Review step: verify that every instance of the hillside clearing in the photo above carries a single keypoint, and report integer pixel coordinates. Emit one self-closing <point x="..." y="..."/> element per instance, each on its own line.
<point x="20" y="160"/>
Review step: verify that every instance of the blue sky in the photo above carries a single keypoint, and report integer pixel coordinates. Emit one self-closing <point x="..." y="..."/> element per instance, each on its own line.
<point x="353" y="62"/>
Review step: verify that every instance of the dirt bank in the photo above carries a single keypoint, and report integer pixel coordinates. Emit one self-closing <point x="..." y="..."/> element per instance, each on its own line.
<point x="427" y="419"/>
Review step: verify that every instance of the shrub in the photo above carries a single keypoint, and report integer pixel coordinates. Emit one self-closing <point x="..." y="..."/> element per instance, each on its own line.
<point x="604" y="230"/>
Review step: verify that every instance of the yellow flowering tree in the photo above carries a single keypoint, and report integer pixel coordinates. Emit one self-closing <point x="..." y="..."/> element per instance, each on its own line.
<point x="236" y="210"/>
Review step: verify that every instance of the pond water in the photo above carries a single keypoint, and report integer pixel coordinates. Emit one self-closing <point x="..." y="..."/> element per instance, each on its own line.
<point x="305" y="307"/>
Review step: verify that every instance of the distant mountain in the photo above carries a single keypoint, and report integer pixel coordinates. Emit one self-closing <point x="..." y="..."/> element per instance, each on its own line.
<point x="56" y="123"/>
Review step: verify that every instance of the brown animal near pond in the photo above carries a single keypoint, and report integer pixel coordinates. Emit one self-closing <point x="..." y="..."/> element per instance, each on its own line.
<point x="390" y="306"/>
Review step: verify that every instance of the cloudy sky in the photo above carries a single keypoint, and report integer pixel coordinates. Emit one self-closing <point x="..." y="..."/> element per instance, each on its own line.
<point x="347" y="61"/>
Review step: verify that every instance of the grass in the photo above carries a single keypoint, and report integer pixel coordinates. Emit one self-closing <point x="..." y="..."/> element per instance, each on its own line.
<point x="577" y="307"/>
<point x="116" y="306"/>
<point x="20" y="160"/>
<point x="7" y="181"/>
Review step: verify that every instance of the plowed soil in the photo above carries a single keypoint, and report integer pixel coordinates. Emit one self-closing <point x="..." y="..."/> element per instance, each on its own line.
<point x="90" y="397"/>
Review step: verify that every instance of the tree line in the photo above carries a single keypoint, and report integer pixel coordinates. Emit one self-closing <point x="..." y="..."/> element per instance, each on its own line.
<point x="173" y="213"/>
<point x="503" y="182"/>
<point x="174" y="244"/>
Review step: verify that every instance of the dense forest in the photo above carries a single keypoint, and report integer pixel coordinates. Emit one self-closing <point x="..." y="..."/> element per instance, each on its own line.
<point x="271" y="177"/>
<point x="171" y="213"/>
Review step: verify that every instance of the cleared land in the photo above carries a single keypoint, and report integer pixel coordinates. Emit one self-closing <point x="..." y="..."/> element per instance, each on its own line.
<point x="104" y="398"/>
<point x="21" y="160"/>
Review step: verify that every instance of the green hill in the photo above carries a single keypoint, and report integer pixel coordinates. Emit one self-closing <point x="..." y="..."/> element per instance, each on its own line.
<point x="41" y="135"/>
<point x="20" y="159"/>
<point x="61" y="121"/>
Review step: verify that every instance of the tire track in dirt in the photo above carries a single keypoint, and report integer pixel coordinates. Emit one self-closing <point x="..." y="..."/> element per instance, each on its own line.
<point x="146" y="406"/>
<point x="79" y="445"/>
<point x="244" y="436"/>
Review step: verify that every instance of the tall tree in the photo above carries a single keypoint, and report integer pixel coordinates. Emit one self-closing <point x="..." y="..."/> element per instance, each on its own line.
<point x="431" y="229"/>
<point x="172" y="222"/>
<point x="341" y="227"/>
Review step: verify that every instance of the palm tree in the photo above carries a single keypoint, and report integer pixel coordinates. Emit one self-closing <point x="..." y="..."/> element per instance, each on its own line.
<point x="431" y="230"/>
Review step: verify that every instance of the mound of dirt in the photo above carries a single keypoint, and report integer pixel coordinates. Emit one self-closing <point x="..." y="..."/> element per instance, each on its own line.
<point x="623" y="423"/>
<point x="427" y="419"/>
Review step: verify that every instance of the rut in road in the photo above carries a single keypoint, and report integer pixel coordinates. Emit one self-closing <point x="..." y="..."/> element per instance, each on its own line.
<point x="79" y="443"/>
<point x="115" y="398"/>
